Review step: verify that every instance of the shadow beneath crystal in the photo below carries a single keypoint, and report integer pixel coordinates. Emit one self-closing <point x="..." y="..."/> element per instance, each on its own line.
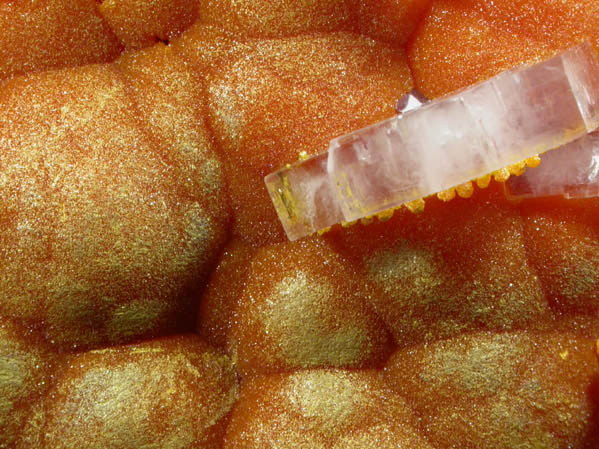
<point x="591" y="440"/>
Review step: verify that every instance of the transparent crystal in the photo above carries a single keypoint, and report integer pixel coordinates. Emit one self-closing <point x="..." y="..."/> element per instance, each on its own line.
<point x="304" y="197"/>
<point x="582" y="72"/>
<point x="571" y="171"/>
<point x="442" y="143"/>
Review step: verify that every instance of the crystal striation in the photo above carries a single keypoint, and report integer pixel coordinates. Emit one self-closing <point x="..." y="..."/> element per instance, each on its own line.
<point x="442" y="144"/>
<point x="572" y="171"/>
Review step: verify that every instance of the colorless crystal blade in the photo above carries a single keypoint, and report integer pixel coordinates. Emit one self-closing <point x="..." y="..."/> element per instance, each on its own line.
<point x="304" y="197"/>
<point x="441" y="144"/>
<point x="368" y="172"/>
<point x="583" y="73"/>
<point x="571" y="171"/>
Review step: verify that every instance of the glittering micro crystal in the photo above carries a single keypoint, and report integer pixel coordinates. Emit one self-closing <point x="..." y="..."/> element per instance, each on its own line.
<point x="571" y="171"/>
<point x="442" y="144"/>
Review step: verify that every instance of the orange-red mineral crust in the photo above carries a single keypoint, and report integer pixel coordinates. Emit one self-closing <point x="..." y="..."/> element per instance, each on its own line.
<point x="221" y="297"/>
<point x="270" y="100"/>
<point x="26" y="370"/>
<point x="267" y="19"/>
<point x="45" y="34"/>
<point x="528" y="390"/>
<point x="132" y="205"/>
<point x="491" y="36"/>
<point x="172" y="393"/>
<point x="391" y="21"/>
<point x="304" y="307"/>
<point x="428" y="284"/>
<point x="142" y="23"/>
<point x="557" y="23"/>
<point x="39" y="35"/>
<point x="563" y="246"/>
<point x="108" y="224"/>
<point x="476" y="50"/>
<point x="321" y="409"/>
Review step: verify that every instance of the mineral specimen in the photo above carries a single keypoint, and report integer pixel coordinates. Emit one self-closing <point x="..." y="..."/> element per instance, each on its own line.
<point x="442" y="145"/>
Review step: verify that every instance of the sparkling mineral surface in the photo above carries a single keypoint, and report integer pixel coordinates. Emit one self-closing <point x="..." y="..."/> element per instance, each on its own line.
<point x="571" y="171"/>
<point x="442" y="144"/>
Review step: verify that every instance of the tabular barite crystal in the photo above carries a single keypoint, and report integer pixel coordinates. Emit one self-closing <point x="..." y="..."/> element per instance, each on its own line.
<point x="442" y="144"/>
<point x="571" y="171"/>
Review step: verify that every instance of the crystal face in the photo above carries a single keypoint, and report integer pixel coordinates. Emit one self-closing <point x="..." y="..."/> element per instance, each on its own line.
<point x="304" y="197"/>
<point x="571" y="171"/>
<point x="435" y="146"/>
